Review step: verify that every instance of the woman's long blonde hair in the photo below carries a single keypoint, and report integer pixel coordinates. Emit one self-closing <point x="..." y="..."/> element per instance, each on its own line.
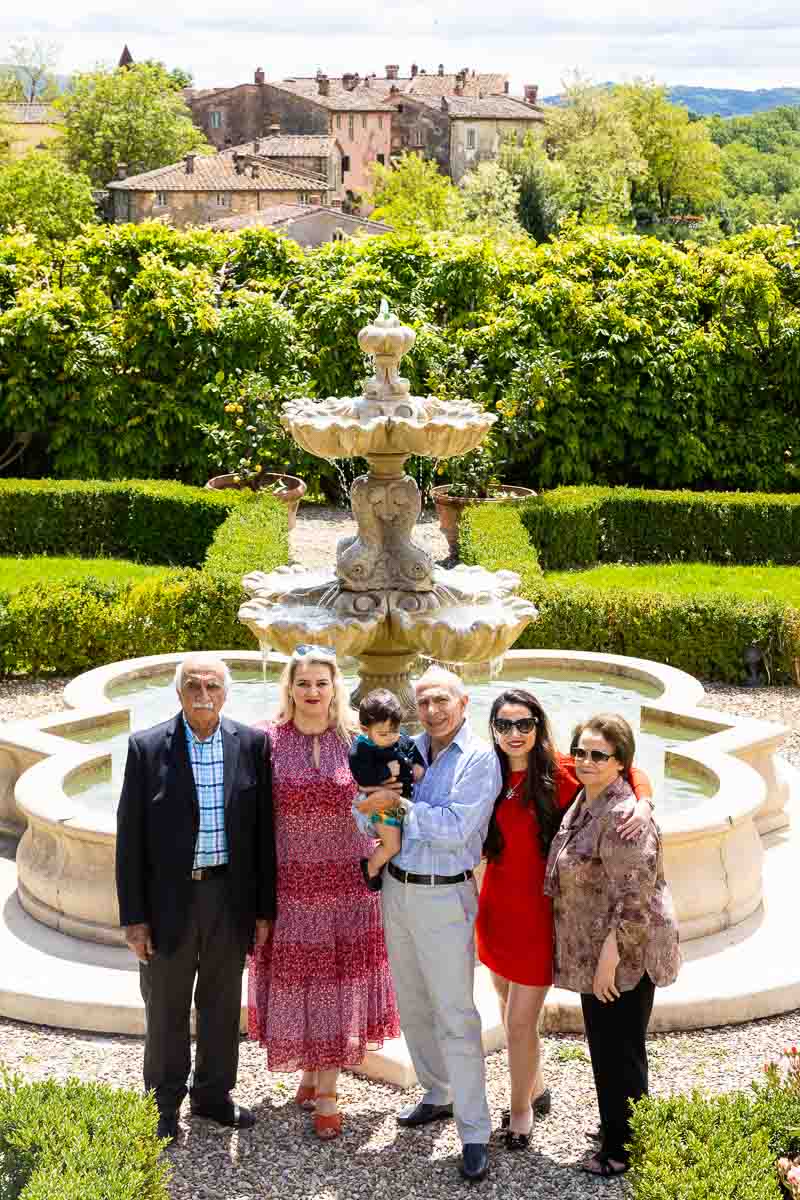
<point x="341" y="716"/>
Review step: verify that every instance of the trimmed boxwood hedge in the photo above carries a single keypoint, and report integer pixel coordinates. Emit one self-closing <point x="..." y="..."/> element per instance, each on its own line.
<point x="581" y="526"/>
<point x="73" y="627"/>
<point x="704" y="634"/>
<point x="149" y="521"/>
<point x="78" y="1141"/>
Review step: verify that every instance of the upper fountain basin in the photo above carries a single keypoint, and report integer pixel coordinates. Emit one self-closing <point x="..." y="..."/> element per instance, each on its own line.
<point x="352" y="427"/>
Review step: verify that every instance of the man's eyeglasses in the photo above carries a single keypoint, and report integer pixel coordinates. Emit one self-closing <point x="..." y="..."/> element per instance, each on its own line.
<point x="523" y="725"/>
<point x="597" y="756"/>
<point x="322" y="651"/>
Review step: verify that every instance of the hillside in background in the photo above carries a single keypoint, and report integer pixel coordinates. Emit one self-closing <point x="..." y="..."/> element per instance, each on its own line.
<point x="62" y="81"/>
<point x="723" y="102"/>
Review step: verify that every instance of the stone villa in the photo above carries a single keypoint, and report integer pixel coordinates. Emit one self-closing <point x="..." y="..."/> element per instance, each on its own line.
<point x="201" y="188"/>
<point x="300" y="153"/>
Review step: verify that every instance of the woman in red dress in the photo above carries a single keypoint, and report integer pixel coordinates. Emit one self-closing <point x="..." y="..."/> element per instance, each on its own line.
<point x="320" y="990"/>
<point x="514" y="927"/>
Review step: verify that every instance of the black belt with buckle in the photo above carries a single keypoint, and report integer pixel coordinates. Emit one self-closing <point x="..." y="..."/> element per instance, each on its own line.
<point x="430" y="880"/>
<point x="201" y="873"/>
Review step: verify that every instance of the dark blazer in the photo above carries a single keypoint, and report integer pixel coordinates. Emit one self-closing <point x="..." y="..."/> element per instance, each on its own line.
<point x="158" y="820"/>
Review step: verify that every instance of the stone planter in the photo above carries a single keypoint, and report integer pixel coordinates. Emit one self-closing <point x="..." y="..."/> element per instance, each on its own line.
<point x="295" y="489"/>
<point x="449" y="508"/>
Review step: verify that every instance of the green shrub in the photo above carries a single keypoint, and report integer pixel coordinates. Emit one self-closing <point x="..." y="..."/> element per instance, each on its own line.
<point x="713" y="1147"/>
<point x="704" y="634"/>
<point x="71" y="627"/>
<point x="579" y="526"/>
<point x="78" y="1141"/>
<point x="147" y="521"/>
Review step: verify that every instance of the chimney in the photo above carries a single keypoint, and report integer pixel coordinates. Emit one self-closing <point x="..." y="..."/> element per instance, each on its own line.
<point x="259" y="75"/>
<point x="323" y="85"/>
<point x="414" y="70"/>
<point x="254" y="170"/>
<point x="394" y="90"/>
<point x="392" y="71"/>
<point x="122" y="171"/>
<point x="348" y="81"/>
<point x="256" y="145"/>
<point x="531" y="91"/>
<point x="189" y="160"/>
<point x="367" y="81"/>
<point x="274" y="130"/>
<point x="441" y="68"/>
<point x="505" y="87"/>
<point x="459" y="87"/>
<point x="238" y="164"/>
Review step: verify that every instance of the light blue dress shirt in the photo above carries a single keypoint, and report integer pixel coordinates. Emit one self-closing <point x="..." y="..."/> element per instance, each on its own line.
<point x="444" y="830"/>
<point x="207" y="761"/>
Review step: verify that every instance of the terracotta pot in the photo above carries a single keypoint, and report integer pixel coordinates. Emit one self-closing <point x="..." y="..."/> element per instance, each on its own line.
<point x="449" y="508"/>
<point x="291" y="497"/>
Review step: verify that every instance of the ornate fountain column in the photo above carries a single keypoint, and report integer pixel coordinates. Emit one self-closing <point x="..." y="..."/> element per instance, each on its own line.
<point x="386" y="603"/>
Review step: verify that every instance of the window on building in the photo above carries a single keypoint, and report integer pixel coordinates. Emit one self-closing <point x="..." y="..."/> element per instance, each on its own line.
<point x="470" y="139"/>
<point x="338" y="120"/>
<point x="223" y="199"/>
<point x="380" y="121"/>
<point x="161" y="199"/>
<point x="363" y="120"/>
<point x="345" y="163"/>
<point x="351" y="126"/>
<point x="303" y="197"/>
<point x="337" y="235"/>
<point x="381" y="159"/>
<point x="215" y="117"/>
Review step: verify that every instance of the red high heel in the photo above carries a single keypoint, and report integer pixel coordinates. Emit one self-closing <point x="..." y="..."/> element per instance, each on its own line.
<point x="327" y="1125"/>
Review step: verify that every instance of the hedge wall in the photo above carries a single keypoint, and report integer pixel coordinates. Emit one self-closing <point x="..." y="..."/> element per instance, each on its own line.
<point x="581" y="526"/>
<point x="75" y="627"/>
<point x="705" y="635"/>
<point x="148" y="521"/>
<point x="608" y="357"/>
<point x="78" y="1141"/>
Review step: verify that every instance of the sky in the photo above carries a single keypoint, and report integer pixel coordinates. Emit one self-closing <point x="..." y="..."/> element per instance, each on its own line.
<point x="719" y="43"/>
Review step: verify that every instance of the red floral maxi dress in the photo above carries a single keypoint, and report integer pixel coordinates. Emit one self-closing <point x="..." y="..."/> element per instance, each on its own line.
<point x="319" y="992"/>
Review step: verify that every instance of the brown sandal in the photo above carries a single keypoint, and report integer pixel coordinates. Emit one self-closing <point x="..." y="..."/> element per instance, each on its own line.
<point x="305" y="1096"/>
<point x="327" y="1125"/>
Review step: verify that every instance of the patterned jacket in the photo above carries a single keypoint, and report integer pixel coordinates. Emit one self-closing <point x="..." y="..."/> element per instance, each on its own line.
<point x="600" y="882"/>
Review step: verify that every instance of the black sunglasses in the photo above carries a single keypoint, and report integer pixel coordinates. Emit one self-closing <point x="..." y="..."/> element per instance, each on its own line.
<point x="597" y="756"/>
<point x="523" y="725"/>
<point x="323" y="651"/>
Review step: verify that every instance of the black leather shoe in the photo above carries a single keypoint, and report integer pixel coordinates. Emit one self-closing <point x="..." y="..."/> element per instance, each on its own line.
<point x="226" y="1113"/>
<point x="475" y="1162"/>
<point x="373" y="882"/>
<point x="168" y="1128"/>
<point x="423" y="1114"/>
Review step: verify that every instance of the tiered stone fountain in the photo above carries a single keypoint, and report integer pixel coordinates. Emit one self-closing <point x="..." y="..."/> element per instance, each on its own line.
<point x="386" y="603"/>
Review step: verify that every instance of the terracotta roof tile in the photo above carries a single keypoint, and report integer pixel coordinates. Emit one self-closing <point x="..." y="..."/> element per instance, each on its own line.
<point x="339" y="99"/>
<point x="488" y="107"/>
<point x="289" y="145"/>
<point x="216" y="173"/>
<point x="279" y="214"/>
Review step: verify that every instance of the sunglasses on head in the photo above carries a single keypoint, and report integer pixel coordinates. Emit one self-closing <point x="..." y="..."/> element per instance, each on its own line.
<point x="322" y="651"/>
<point x="597" y="756"/>
<point x="524" y="725"/>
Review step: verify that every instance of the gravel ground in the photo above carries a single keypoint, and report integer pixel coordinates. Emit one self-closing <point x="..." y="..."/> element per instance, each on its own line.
<point x="281" y="1157"/>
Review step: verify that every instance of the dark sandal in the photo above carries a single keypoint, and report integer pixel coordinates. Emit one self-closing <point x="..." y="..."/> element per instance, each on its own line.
<point x="517" y="1141"/>
<point x="541" y="1107"/>
<point x="604" y="1170"/>
<point x="373" y="882"/>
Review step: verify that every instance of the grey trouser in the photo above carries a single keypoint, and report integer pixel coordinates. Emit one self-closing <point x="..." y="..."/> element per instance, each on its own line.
<point x="431" y="943"/>
<point x="212" y="950"/>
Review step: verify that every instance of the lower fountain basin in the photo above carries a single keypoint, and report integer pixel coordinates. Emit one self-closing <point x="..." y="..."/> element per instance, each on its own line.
<point x="718" y="782"/>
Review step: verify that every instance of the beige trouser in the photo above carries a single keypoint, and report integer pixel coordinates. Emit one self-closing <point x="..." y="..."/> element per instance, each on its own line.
<point x="431" y="943"/>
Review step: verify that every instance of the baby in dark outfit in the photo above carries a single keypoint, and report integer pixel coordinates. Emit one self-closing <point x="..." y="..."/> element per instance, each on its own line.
<point x="382" y="754"/>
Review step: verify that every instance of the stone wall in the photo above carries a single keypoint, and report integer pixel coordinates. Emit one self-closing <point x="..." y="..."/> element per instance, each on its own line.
<point x="488" y="136"/>
<point x="198" y="208"/>
<point x="365" y="138"/>
<point x="423" y="129"/>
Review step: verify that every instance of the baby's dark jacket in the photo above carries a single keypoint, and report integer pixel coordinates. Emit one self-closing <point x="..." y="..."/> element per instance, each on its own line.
<point x="369" y="763"/>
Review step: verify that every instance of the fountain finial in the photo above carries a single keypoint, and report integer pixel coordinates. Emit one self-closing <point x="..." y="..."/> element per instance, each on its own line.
<point x="386" y="394"/>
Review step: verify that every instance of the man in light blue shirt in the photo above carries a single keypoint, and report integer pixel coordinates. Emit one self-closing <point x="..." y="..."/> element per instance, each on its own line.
<point x="429" y="906"/>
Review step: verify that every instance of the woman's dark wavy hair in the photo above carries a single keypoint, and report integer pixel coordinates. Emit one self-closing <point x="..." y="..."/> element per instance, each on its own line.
<point x="539" y="785"/>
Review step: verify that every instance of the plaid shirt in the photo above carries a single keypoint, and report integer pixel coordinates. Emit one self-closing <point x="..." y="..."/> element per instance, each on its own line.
<point x="211" y="847"/>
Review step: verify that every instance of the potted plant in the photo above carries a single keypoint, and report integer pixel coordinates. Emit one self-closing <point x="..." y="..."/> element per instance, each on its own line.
<point x="249" y="437"/>
<point x="473" y="480"/>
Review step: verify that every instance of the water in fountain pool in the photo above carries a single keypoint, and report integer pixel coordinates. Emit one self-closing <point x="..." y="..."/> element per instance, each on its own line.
<point x="566" y="697"/>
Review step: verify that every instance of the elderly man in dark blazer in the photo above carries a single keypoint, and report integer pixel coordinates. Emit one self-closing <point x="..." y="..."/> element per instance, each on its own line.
<point x="196" y="888"/>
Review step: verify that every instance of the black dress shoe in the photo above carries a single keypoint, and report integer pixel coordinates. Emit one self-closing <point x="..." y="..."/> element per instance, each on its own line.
<point x="168" y="1128"/>
<point x="226" y="1113"/>
<point x="373" y="882"/>
<point x="423" y="1114"/>
<point x="475" y="1162"/>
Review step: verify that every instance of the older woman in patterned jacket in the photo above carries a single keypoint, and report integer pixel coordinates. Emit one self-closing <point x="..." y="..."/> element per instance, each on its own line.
<point x="616" y="936"/>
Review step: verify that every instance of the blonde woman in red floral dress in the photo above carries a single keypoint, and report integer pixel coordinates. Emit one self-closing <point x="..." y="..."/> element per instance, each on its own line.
<point x="320" y="991"/>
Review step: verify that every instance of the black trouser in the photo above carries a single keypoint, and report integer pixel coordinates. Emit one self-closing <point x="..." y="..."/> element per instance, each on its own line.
<point x="616" y="1033"/>
<point x="212" y="950"/>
